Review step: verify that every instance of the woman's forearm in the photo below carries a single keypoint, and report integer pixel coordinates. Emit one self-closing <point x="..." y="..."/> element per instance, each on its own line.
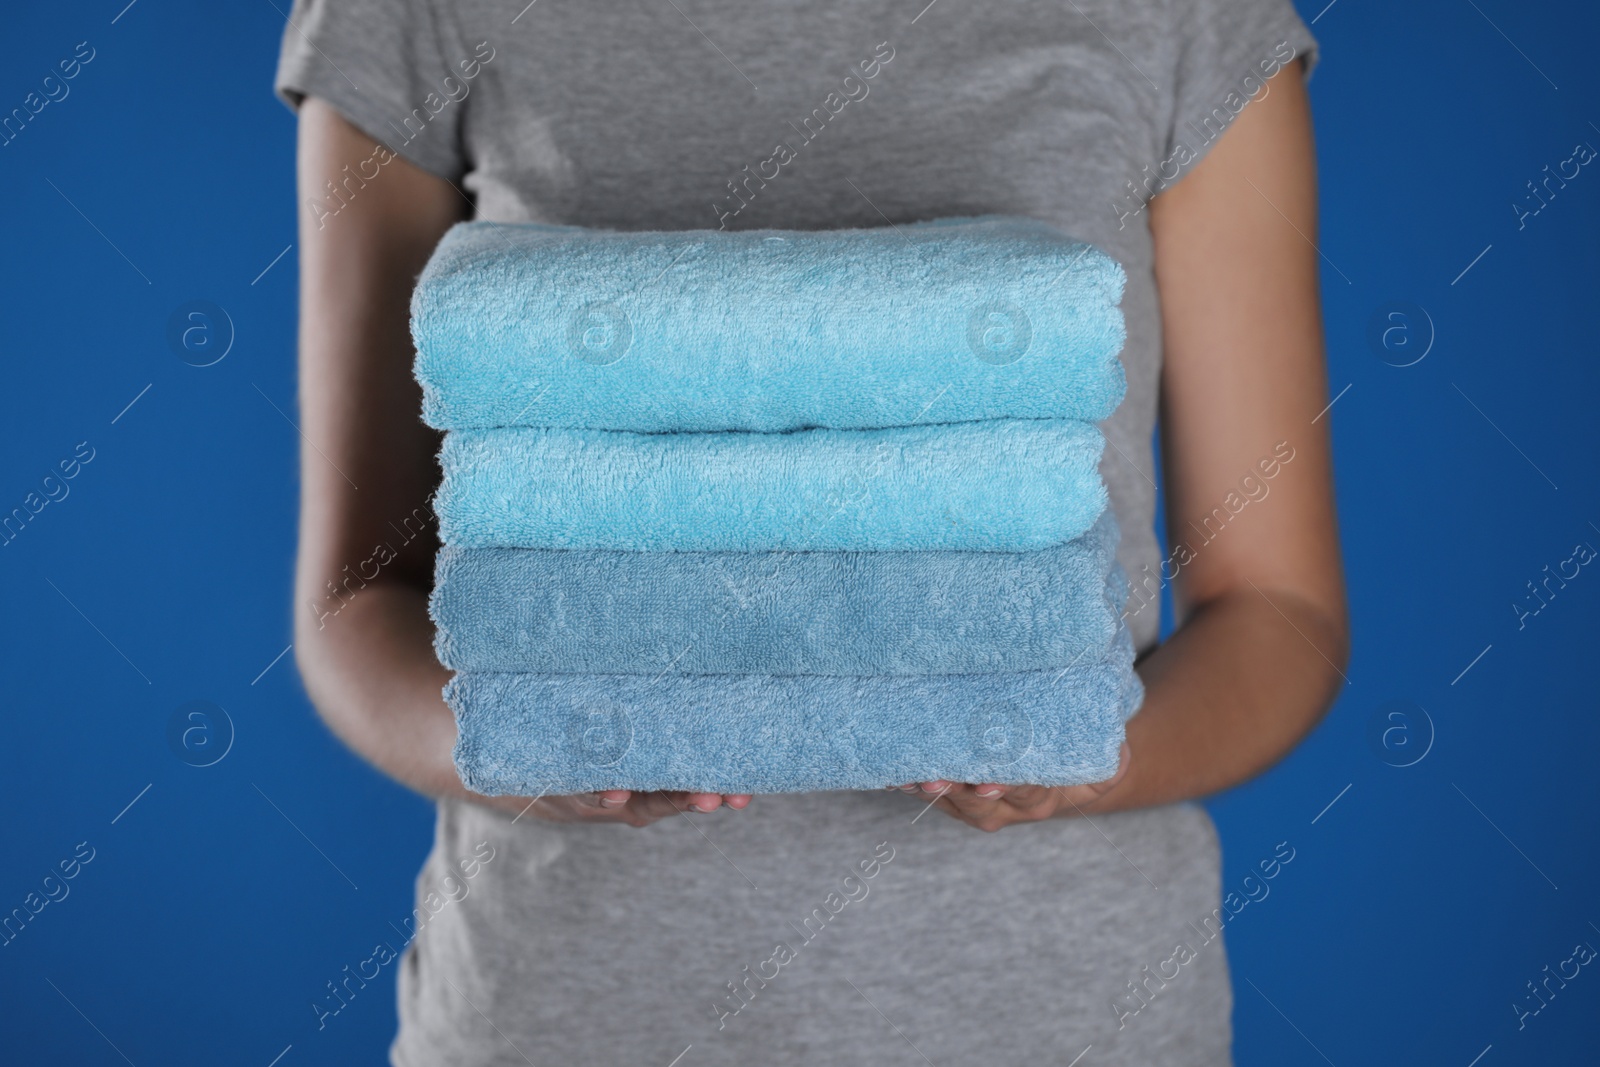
<point x="1244" y="678"/>
<point x="372" y="674"/>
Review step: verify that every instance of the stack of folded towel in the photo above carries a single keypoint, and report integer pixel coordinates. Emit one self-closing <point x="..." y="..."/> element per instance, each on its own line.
<point x="768" y="511"/>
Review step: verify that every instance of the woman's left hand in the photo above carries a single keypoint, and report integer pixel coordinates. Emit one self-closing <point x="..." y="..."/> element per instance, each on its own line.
<point x="991" y="807"/>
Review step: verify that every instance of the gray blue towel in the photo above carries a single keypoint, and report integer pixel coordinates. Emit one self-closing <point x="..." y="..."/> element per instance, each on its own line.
<point x="1004" y="485"/>
<point x="946" y="321"/>
<point x="575" y="611"/>
<point x="534" y="734"/>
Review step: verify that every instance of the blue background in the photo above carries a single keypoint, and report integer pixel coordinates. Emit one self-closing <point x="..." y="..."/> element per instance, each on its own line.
<point x="220" y="902"/>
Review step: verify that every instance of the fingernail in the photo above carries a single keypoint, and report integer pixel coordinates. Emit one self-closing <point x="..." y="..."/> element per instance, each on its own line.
<point x="989" y="794"/>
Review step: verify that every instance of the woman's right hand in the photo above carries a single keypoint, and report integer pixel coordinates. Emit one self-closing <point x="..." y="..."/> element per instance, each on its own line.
<point x="616" y="805"/>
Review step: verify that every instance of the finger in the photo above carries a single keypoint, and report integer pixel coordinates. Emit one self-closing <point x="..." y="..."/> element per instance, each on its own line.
<point x="964" y="801"/>
<point x="987" y="814"/>
<point x="938" y="785"/>
<point x="666" y="803"/>
<point x="702" y="802"/>
<point x="738" y="801"/>
<point x="569" y="807"/>
<point x="1028" y="797"/>
<point x="612" y="799"/>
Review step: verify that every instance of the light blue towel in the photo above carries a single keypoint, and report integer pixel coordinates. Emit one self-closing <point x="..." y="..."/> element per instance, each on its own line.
<point x="946" y="321"/>
<point x="575" y="611"/>
<point x="535" y="734"/>
<point x="999" y="486"/>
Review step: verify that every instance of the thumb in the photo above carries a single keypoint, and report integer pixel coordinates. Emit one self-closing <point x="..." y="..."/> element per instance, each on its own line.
<point x="1123" y="759"/>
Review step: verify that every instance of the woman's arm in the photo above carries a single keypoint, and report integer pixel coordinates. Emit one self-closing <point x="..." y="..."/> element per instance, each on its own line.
<point x="1262" y="640"/>
<point x="363" y="639"/>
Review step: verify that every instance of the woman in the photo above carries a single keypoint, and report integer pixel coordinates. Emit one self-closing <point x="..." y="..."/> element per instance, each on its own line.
<point x="622" y="928"/>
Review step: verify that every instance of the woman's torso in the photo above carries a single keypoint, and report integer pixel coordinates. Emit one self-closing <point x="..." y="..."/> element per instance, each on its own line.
<point x="608" y="944"/>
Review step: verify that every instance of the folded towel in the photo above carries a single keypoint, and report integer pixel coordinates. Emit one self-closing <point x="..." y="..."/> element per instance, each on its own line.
<point x="1001" y="485"/>
<point x="946" y="321"/>
<point x="560" y="611"/>
<point x="534" y="734"/>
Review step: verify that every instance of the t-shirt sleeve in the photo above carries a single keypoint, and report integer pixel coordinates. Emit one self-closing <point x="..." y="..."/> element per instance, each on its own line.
<point x="390" y="68"/>
<point x="1226" y="51"/>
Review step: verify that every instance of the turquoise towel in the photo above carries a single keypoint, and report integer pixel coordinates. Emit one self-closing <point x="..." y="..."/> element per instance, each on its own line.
<point x="564" y="611"/>
<point x="946" y="321"/>
<point x="534" y="734"/>
<point x="1000" y="485"/>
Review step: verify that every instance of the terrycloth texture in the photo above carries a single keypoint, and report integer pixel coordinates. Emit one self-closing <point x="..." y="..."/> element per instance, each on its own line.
<point x="999" y="486"/>
<point x="533" y="734"/>
<point x="562" y="611"/>
<point x="945" y="321"/>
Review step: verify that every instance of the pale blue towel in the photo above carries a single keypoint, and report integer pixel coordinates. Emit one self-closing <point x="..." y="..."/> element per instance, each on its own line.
<point x="945" y="321"/>
<point x="534" y="734"/>
<point x="998" y="485"/>
<point x="571" y="611"/>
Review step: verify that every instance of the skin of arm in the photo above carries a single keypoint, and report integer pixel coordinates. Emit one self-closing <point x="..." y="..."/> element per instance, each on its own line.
<point x="364" y="642"/>
<point x="1263" y="636"/>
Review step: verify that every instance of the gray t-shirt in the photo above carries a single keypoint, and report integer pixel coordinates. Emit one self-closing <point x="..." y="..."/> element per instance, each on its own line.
<point x="760" y="936"/>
